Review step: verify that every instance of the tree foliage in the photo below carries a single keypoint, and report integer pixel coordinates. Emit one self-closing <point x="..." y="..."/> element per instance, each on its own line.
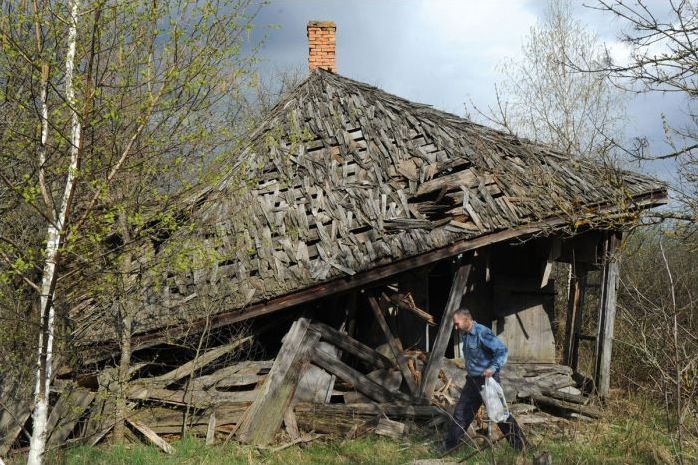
<point x="541" y="97"/>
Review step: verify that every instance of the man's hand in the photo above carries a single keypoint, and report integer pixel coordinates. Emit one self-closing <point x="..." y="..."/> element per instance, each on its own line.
<point x="488" y="373"/>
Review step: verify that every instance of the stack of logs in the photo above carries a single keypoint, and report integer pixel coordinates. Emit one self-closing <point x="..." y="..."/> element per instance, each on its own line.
<point x="322" y="381"/>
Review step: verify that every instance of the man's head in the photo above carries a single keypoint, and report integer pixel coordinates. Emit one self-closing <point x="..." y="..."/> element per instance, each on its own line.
<point x="463" y="320"/>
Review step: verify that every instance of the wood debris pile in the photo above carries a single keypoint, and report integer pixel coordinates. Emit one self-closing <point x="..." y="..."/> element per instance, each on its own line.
<point x="321" y="381"/>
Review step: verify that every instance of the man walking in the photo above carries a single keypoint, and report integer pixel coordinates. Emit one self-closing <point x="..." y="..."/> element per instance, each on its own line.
<point x="484" y="355"/>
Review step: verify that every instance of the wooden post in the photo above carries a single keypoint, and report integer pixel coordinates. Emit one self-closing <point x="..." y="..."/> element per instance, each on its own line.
<point x="575" y="305"/>
<point x="394" y="344"/>
<point x="267" y="412"/>
<point x="607" y="316"/>
<point x="431" y="371"/>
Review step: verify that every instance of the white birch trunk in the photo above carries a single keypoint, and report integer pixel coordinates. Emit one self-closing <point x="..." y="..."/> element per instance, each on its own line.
<point x="37" y="445"/>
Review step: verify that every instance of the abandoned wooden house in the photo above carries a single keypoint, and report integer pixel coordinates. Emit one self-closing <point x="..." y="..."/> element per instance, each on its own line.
<point x="328" y="283"/>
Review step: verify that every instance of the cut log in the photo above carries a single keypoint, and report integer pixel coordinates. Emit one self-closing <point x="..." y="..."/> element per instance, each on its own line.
<point x="394" y="344"/>
<point x="266" y="413"/>
<point x="151" y="436"/>
<point x="431" y="371"/>
<point x="352" y="346"/>
<point x="540" y="399"/>
<point x="359" y="381"/>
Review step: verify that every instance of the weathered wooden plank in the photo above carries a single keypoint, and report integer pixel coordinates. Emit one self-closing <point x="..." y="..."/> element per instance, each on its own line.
<point x="15" y="414"/>
<point x="361" y="382"/>
<point x="345" y="283"/>
<point x="351" y="345"/>
<point x="607" y="317"/>
<point x="390" y="428"/>
<point x="151" y="436"/>
<point x="196" y="364"/>
<point x="211" y="430"/>
<point x="239" y="374"/>
<point x="291" y="424"/>
<point x="66" y="413"/>
<point x="405" y="302"/>
<point x="561" y="404"/>
<point x="394" y="344"/>
<point x="266" y="413"/>
<point x="168" y="420"/>
<point x="575" y="306"/>
<point x="574" y="398"/>
<point x="195" y="398"/>
<point x="431" y="371"/>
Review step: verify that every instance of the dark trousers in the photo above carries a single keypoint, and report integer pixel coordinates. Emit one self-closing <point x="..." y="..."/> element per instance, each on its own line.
<point x="466" y="408"/>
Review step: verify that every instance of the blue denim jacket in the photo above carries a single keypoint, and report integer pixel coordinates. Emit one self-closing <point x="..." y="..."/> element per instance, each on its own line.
<point x="482" y="350"/>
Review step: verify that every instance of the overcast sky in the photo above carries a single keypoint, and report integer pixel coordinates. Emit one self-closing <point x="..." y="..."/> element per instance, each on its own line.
<point x="440" y="52"/>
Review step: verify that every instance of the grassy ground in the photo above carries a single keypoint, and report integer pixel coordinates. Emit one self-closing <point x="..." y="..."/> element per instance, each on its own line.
<point x="633" y="432"/>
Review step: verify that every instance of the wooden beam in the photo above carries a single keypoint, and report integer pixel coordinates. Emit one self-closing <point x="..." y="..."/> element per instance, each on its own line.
<point x="351" y="345"/>
<point x="394" y="344"/>
<point x="291" y="424"/>
<point x="66" y="413"/>
<point x="266" y="413"/>
<point x="575" y="307"/>
<point x="361" y="382"/>
<point x="189" y="367"/>
<point x="382" y="272"/>
<point x="406" y="302"/>
<point x="431" y="371"/>
<point x="211" y="430"/>
<point x="571" y="406"/>
<point x="607" y="316"/>
<point x="151" y="436"/>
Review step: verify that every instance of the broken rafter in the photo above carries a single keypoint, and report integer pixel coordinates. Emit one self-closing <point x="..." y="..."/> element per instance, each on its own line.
<point x="431" y="371"/>
<point x="406" y="302"/>
<point x="193" y="365"/>
<point x="394" y="344"/>
<point x="359" y="381"/>
<point x="266" y="413"/>
<point x="351" y="345"/>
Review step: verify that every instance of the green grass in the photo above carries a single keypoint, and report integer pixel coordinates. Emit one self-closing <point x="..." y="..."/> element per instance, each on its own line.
<point x="633" y="432"/>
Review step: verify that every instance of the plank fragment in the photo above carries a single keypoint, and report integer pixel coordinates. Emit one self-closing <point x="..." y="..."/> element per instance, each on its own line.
<point x="266" y="413"/>
<point x="394" y="344"/>
<point x="431" y="371"/>
<point x="151" y="436"/>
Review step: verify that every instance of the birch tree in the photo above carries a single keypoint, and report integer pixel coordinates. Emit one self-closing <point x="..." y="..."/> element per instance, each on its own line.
<point x="545" y="99"/>
<point x="55" y="234"/>
<point x="114" y="110"/>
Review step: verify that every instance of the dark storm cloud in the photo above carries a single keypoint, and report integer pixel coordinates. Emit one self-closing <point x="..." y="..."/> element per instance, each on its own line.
<point x="443" y="53"/>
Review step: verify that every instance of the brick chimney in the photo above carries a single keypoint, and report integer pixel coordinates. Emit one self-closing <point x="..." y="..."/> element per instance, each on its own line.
<point x="321" y="45"/>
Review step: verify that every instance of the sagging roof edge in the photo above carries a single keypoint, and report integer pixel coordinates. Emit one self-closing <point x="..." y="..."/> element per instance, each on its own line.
<point x="380" y="273"/>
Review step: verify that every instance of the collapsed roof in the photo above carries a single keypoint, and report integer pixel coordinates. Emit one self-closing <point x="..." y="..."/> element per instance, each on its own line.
<point x="342" y="182"/>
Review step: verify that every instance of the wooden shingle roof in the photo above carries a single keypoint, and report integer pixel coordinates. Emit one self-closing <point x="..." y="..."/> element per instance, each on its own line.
<point x="348" y="179"/>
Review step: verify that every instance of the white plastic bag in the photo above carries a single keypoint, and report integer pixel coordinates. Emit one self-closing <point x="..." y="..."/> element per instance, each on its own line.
<point x="495" y="403"/>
